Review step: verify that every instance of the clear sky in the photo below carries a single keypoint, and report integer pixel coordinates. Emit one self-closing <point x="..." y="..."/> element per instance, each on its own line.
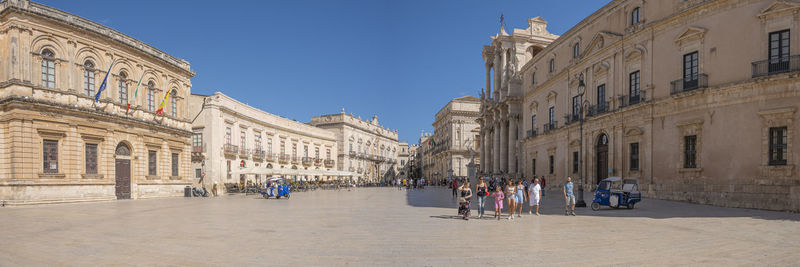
<point x="401" y="60"/>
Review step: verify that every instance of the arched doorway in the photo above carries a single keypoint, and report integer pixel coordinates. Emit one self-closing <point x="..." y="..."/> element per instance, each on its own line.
<point x="122" y="187"/>
<point x="602" y="158"/>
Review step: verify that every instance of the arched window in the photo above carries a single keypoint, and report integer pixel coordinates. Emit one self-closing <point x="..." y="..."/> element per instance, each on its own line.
<point x="151" y="96"/>
<point x="174" y="102"/>
<point x="635" y="16"/>
<point x="576" y="50"/>
<point x="48" y="69"/>
<point x="123" y="88"/>
<point x="552" y="65"/>
<point x="88" y="78"/>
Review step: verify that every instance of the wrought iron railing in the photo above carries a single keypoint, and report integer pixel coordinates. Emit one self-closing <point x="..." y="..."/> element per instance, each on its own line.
<point x="244" y="152"/>
<point x="550" y="126"/>
<point x="776" y="65"/>
<point x="270" y="157"/>
<point x="230" y="149"/>
<point x="571" y="118"/>
<point x="598" y="109"/>
<point x="198" y="149"/>
<point x="629" y="100"/>
<point x="329" y="162"/>
<point x="308" y="160"/>
<point x="283" y="158"/>
<point x="532" y="133"/>
<point x="258" y="153"/>
<point x="685" y="85"/>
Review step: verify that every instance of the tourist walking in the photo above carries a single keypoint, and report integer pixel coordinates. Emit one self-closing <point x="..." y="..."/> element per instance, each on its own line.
<point x="511" y="196"/>
<point x="534" y="195"/>
<point x="498" y="202"/>
<point x="454" y="186"/>
<point x="520" y="198"/>
<point x="466" y="194"/>
<point x="569" y="197"/>
<point x="483" y="191"/>
<point x="544" y="185"/>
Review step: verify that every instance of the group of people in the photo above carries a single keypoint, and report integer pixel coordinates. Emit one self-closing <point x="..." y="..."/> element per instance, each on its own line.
<point x="410" y="183"/>
<point x="514" y="193"/>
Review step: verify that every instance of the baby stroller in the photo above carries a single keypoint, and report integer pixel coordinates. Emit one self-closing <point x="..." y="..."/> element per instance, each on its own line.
<point x="463" y="208"/>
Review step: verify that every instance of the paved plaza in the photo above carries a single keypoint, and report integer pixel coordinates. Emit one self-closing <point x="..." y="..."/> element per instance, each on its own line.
<point x="387" y="227"/>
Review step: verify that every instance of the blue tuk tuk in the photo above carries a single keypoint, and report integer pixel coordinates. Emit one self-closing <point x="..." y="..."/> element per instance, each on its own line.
<point x="276" y="187"/>
<point x="614" y="192"/>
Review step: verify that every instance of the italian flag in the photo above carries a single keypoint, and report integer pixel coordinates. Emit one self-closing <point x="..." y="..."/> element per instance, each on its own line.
<point x="135" y="94"/>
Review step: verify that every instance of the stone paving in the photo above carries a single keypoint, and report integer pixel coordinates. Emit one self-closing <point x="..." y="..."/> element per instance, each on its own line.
<point x="387" y="227"/>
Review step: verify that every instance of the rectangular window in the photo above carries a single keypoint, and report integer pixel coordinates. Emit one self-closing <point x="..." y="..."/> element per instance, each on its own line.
<point x="690" y="151"/>
<point x="552" y="65"/>
<point x="123" y="90"/>
<point x="635" y="16"/>
<point x="552" y="165"/>
<point x="576" y="107"/>
<point x="316" y="152"/>
<point x="229" y="169"/>
<point x="576" y="50"/>
<point x="88" y="82"/>
<point x="533" y="78"/>
<point x="634" y="89"/>
<point x="690" y="70"/>
<point x="533" y="123"/>
<point x="575" y="161"/>
<point x="174" y="164"/>
<point x="294" y="149"/>
<point x="305" y="151"/>
<point x="328" y="154"/>
<point x="552" y="116"/>
<point x="601" y="97"/>
<point x="243" y="136"/>
<point x="257" y="142"/>
<point x="197" y="140"/>
<point x="91" y="158"/>
<point x="634" y="166"/>
<point x="48" y="73"/>
<point x="269" y="145"/>
<point x="777" y="145"/>
<point x="198" y="173"/>
<point x="174" y="105"/>
<point x="50" y="156"/>
<point x="779" y="51"/>
<point x="283" y="147"/>
<point x="151" y="162"/>
<point x="151" y="99"/>
<point x="228" y="136"/>
<point x="533" y="166"/>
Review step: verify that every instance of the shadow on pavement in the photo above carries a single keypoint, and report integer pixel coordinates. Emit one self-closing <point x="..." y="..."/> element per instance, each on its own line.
<point x="553" y="204"/>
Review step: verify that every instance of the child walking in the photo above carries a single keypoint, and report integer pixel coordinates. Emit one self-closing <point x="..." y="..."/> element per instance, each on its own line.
<point x="498" y="201"/>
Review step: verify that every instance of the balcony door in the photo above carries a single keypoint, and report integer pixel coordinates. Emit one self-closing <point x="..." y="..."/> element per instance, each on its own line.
<point x="602" y="158"/>
<point x="779" y="51"/>
<point x="690" y="71"/>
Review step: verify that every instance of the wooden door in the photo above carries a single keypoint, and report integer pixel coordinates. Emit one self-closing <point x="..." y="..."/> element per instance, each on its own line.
<point x="602" y="159"/>
<point x="123" y="178"/>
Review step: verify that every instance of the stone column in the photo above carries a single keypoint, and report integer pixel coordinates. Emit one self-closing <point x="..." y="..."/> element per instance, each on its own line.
<point x="488" y="81"/>
<point x="504" y="146"/>
<point x="496" y="148"/>
<point x="482" y="150"/>
<point x="512" y="143"/>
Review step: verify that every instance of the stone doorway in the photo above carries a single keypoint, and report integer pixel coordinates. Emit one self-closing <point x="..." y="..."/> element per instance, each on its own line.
<point x="601" y="166"/>
<point x="122" y="187"/>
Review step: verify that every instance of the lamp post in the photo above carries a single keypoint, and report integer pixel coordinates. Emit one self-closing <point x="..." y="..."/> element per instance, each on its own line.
<point x="581" y="92"/>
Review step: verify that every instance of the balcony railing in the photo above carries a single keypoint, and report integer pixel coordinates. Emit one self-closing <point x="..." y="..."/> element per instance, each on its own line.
<point x="295" y="159"/>
<point x="776" y="65"/>
<point x="258" y="153"/>
<point x="244" y="152"/>
<point x="329" y="162"/>
<point x="353" y="154"/>
<point x="684" y="85"/>
<point x="230" y="149"/>
<point x="598" y="109"/>
<point x="532" y="133"/>
<point x="570" y="119"/>
<point x="198" y="149"/>
<point x="308" y="160"/>
<point x="317" y="161"/>
<point x="550" y="126"/>
<point x="283" y="158"/>
<point x="269" y="157"/>
<point x="629" y="100"/>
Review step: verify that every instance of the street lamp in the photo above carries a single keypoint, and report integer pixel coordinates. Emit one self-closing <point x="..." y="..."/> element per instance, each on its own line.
<point x="581" y="92"/>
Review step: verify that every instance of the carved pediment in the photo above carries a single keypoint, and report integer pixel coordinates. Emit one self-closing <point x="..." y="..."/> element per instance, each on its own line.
<point x="600" y="40"/>
<point x="574" y="142"/>
<point x="634" y="131"/>
<point x="551" y="96"/>
<point x="533" y="106"/>
<point x="601" y="68"/>
<point x="690" y="34"/>
<point x="778" y="8"/>
<point x="634" y="54"/>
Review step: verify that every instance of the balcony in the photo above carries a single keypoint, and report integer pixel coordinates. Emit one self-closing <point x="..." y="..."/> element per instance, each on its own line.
<point x="571" y="118"/>
<point x="244" y="153"/>
<point x="307" y="160"/>
<point x="230" y="149"/>
<point x="550" y="126"/>
<point x="317" y="161"/>
<point x="283" y="158"/>
<point x="776" y="65"/>
<point x="269" y="157"/>
<point x="258" y="153"/>
<point x="629" y="100"/>
<point x="532" y="133"/>
<point x="684" y="85"/>
<point x="198" y="149"/>
<point x="598" y="109"/>
<point x="295" y="159"/>
<point x="330" y="162"/>
<point x="353" y="154"/>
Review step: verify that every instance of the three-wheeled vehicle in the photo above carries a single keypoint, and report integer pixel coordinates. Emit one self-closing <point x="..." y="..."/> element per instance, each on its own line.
<point x="277" y="188"/>
<point x="614" y="192"/>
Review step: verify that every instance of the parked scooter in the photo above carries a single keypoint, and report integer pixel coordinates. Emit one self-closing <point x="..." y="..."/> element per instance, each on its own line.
<point x="199" y="192"/>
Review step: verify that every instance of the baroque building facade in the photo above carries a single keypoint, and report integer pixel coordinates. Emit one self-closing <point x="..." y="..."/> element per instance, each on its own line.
<point x="695" y="99"/>
<point x="57" y="143"/>
<point x="453" y="143"/>
<point x="501" y="108"/>
<point x="365" y="147"/>
<point x="230" y="136"/>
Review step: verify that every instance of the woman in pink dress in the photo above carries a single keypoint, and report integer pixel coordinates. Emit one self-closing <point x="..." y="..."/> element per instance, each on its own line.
<point x="498" y="201"/>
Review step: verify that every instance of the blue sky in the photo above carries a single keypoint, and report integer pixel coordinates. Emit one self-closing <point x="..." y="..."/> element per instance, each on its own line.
<point x="400" y="60"/>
